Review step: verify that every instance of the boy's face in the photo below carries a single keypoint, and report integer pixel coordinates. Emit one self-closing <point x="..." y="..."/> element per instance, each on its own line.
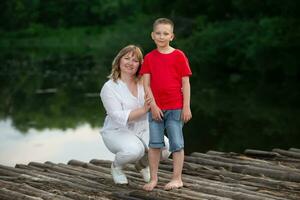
<point x="162" y="35"/>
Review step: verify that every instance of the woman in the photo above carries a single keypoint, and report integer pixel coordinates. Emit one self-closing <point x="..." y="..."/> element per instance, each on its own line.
<point x="126" y="130"/>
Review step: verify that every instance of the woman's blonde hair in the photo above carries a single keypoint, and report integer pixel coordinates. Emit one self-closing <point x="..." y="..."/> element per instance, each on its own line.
<point x="115" y="70"/>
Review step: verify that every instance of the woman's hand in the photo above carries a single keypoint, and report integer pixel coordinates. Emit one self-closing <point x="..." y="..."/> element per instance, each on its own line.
<point x="147" y="103"/>
<point x="146" y="107"/>
<point x="148" y="99"/>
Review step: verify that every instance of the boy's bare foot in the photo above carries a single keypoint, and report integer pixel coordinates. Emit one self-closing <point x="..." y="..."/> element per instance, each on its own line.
<point x="150" y="186"/>
<point x="173" y="184"/>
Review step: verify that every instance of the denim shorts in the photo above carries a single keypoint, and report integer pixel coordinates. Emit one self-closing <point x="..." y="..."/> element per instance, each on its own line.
<point x="173" y="124"/>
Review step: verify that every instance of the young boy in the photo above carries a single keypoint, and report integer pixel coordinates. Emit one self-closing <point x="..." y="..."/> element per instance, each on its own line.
<point x="166" y="74"/>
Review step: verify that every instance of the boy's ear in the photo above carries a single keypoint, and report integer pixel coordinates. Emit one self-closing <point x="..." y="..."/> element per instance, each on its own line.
<point x="152" y="35"/>
<point x="173" y="36"/>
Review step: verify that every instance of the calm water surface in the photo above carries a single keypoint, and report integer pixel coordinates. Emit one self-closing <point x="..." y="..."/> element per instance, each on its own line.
<point x="82" y="143"/>
<point x="50" y="108"/>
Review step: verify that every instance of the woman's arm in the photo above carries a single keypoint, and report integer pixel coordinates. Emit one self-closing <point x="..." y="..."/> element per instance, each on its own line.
<point x="113" y="106"/>
<point x="137" y="113"/>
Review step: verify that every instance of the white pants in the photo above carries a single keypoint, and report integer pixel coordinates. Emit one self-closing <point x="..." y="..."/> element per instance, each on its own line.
<point x="130" y="147"/>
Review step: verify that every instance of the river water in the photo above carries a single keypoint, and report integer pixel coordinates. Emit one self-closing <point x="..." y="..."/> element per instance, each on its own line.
<point x="81" y="143"/>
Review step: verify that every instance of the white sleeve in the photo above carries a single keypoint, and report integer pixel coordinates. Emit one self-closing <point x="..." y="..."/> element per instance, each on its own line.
<point x="113" y="106"/>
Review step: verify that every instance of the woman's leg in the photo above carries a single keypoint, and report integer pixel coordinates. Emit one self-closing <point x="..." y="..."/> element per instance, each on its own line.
<point x="165" y="152"/>
<point x="127" y="149"/>
<point x="126" y="146"/>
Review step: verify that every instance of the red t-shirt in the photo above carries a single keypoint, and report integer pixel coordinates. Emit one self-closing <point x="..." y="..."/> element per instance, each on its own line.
<point x="166" y="71"/>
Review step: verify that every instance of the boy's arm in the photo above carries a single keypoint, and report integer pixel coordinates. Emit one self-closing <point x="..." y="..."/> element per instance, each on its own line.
<point x="186" y="91"/>
<point x="155" y="110"/>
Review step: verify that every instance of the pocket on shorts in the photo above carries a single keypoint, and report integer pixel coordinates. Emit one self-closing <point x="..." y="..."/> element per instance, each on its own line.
<point x="176" y="114"/>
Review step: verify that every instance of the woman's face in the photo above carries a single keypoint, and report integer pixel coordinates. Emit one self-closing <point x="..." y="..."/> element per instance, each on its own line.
<point x="129" y="64"/>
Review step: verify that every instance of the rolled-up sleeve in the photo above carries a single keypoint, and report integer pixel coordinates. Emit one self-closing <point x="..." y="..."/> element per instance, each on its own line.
<point x="113" y="106"/>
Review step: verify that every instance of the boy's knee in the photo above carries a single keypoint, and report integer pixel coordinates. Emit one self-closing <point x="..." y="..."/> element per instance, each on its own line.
<point x="176" y="146"/>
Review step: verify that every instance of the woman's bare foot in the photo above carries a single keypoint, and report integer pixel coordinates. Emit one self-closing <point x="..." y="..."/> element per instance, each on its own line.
<point x="150" y="186"/>
<point x="173" y="184"/>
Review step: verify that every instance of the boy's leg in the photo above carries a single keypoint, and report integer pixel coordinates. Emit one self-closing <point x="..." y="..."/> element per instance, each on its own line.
<point x="156" y="142"/>
<point x="176" y="182"/>
<point x="174" y="127"/>
<point x="154" y="157"/>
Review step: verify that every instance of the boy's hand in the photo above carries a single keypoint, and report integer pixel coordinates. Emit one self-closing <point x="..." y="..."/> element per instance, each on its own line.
<point x="186" y="114"/>
<point x="157" y="114"/>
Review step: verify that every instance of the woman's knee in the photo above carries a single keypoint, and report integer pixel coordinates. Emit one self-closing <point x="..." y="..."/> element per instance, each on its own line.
<point x="137" y="154"/>
<point x="132" y="154"/>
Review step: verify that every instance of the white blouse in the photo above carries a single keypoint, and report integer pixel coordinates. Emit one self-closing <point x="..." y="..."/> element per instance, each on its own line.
<point x="118" y="102"/>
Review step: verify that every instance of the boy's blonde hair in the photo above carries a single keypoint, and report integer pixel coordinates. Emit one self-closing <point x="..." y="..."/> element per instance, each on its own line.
<point x="163" y="21"/>
<point x="116" y="71"/>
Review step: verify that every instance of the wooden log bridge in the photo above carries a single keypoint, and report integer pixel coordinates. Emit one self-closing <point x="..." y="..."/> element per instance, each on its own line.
<point x="253" y="175"/>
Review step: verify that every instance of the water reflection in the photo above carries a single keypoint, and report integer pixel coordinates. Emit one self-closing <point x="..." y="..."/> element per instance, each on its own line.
<point x="82" y="143"/>
<point x="53" y="106"/>
<point x="52" y="91"/>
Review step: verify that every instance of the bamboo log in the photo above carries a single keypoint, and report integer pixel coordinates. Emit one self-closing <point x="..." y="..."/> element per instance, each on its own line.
<point x="240" y="159"/>
<point x="31" y="191"/>
<point x="12" y="195"/>
<point x="34" y="179"/>
<point x="22" y="166"/>
<point x="84" y="178"/>
<point x="100" y="188"/>
<point x="129" y="173"/>
<point x="214" y="175"/>
<point x="134" y="176"/>
<point x="273" y="156"/>
<point x="61" y="170"/>
<point x="229" y="189"/>
<point x="222" y="188"/>
<point x="77" y="196"/>
<point x="5" y="172"/>
<point x="227" y="176"/>
<point x="239" y="180"/>
<point x="103" y="163"/>
<point x="247" y="169"/>
<point x="179" y="193"/>
<point x="259" y="153"/>
<point x="243" y="160"/>
<point x="230" y="194"/>
<point x="291" y="154"/>
<point x="294" y="149"/>
<point x="263" y="183"/>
